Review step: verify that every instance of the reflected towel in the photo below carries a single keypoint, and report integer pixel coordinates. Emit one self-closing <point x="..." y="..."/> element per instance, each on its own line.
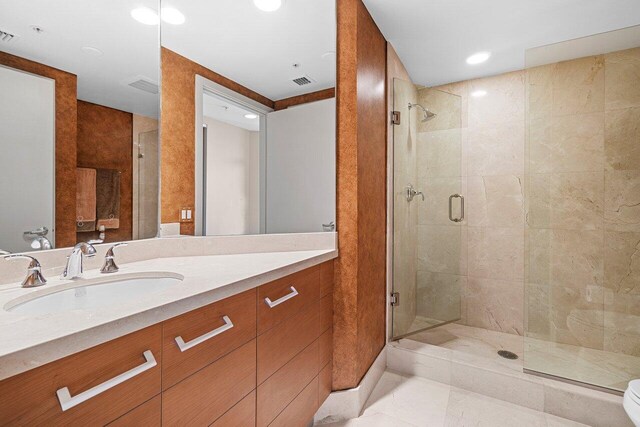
<point x="85" y="199"/>
<point x="108" y="198"/>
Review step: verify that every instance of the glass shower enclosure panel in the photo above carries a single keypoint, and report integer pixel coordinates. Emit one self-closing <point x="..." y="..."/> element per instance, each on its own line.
<point x="582" y="277"/>
<point x="428" y="209"/>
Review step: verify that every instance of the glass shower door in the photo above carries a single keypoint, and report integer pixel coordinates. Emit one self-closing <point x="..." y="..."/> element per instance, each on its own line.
<point x="429" y="259"/>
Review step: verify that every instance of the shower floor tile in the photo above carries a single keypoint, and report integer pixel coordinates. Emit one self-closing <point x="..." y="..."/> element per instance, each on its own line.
<point x="476" y="345"/>
<point x="480" y="347"/>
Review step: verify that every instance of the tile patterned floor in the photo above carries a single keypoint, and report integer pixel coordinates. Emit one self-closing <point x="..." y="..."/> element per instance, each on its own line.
<point x="603" y="368"/>
<point x="402" y="401"/>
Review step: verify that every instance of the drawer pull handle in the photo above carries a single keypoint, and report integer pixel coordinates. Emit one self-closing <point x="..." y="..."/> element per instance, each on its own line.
<point x="279" y="301"/>
<point x="68" y="402"/>
<point x="184" y="346"/>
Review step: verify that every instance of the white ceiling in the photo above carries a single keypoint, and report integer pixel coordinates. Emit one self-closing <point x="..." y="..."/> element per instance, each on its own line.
<point x="258" y="49"/>
<point x="228" y="112"/>
<point x="129" y="48"/>
<point x="434" y="37"/>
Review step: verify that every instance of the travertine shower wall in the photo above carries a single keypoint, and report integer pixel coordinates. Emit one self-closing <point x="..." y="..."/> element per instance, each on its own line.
<point x="580" y="170"/>
<point x="476" y="146"/>
<point x="441" y="246"/>
<point x="583" y="284"/>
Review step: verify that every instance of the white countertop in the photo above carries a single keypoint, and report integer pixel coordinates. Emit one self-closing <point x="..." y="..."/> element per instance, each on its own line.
<point x="28" y="341"/>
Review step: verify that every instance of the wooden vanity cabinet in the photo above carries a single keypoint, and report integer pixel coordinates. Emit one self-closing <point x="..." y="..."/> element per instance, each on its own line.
<point x="293" y="352"/>
<point x="259" y="358"/>
<point x="30" y="399"/>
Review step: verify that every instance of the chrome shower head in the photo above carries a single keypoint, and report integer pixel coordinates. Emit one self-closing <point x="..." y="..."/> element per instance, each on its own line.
<point x="428" y="115"/>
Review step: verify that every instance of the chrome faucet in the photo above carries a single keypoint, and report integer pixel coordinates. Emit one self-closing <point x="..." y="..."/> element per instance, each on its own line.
<point x="74" y="267"/>
<point x="34" y="275"/>
<point x="110" y="265"/>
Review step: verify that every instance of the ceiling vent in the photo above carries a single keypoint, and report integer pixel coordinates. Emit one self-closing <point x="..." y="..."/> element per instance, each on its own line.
<point x="145" y="84"/>
<point x="303" y="80"/>
<point x="6" y="37"/>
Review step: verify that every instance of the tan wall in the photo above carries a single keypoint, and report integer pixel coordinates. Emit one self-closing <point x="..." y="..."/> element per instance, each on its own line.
<point x="583" y="284"/>
<point x="566" y="135"/>
<point x="104" y="142"/>
<point x="476" y="145"/>
<point x="66" y="130"/>
<point x="359" y="295"/>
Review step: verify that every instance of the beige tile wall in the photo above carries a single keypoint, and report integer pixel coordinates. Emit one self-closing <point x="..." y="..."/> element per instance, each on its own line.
<point x="567" y="136"/>
<point x="441" y="247"/>
<point x="584" y="202"/>
<point x="483" y="258"/>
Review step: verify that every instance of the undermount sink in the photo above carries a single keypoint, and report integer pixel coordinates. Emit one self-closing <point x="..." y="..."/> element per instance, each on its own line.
<point x="86" y="294"/>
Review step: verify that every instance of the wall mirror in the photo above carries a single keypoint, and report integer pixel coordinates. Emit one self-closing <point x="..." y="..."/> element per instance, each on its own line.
<point x="78" y="122"/>
<point x="248" y="116"/>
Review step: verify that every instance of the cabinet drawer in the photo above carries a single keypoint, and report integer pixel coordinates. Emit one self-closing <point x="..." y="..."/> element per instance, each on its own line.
<point x="282" y="387"/>
<point x="31" y="398"/>
<point x="325" y="348"/>
<point x="205" y="335"/>
<point x="241" y="415"/>
<point x="278" y="345"/>
<point x="326" y="278"/>
<point x="206" y="395"/>
<point x="324" y="383"/>
<point x="148" y="414"/>
<point x="326" y="312"/>
<point x="301" y="411"/>
<point x="281" y="299"/>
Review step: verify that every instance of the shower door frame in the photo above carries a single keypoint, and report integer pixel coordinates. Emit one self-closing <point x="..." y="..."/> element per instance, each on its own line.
<point x="391" y="187"/>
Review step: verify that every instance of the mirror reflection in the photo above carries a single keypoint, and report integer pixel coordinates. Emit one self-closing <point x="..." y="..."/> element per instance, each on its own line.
<point x="78" y="122"/>
<point x="257" y="86"/>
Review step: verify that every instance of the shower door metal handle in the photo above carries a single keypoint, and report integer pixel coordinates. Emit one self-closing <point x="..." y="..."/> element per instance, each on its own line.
<point x="456" y="196"/>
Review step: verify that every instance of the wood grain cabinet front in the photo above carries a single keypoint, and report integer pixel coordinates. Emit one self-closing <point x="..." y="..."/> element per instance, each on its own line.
<point x="260" y="358"/>
<point x="282" y="298"/>
<point x="205" y="396"/>
<point x="197" y="338"/>
<point x="93" y="387"/>
<point x="282" y="387"/>
<point x="149" y="414"/>
<point x="294" y="356"/>
<point x="301" y="411"/>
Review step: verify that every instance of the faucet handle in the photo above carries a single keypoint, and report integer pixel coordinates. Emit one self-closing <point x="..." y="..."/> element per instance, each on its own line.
<point x="86" y="249"/>
<point x="110" y="265"/>
<point x="34" y="275"/>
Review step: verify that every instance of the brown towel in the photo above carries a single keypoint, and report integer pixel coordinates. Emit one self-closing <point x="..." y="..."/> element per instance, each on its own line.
<point x="108" y="198"/>
<point x="85" y="199"/>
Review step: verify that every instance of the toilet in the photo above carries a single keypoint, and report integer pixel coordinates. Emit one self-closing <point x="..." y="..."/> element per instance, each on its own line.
<point x="632" y="402"/>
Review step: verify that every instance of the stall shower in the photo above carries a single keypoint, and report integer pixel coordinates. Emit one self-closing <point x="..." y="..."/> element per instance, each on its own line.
<point x="542" y="265"/>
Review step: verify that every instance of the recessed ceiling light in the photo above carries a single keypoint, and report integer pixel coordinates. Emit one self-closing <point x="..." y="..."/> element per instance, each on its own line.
<point x="478" y="93"/>
<point x="268" y="5"/>
<point x="478" y="58"/>
<point x="251" y="116"/>
<point x="172" y="16"/>
<point x="91" y="51"/>
<point x="145" y="16"/>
